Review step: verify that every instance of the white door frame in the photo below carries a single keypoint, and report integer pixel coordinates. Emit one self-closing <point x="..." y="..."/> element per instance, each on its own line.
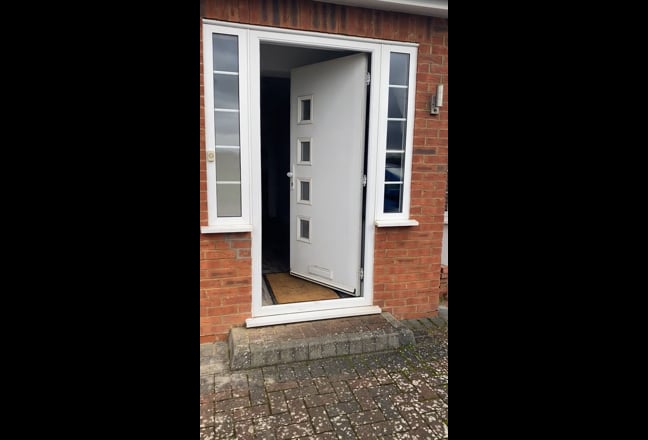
<point x="283" y="313"/>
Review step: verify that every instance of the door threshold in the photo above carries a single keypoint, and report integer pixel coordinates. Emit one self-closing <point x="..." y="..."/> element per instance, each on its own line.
<point x="288" y="318"/>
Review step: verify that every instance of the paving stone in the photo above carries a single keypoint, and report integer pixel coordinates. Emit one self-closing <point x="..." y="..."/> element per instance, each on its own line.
<point x="364" y="417"/>
<point x="226" y="405"/>
<point x="223" y="425"/>
<point x="207" y="415"/>
<point x="297" y="410"/>
<point x="343" y="428"/>
<point x="293" y="431"/>
<point x="319" y="419"/>
<point x="366" y="432"/>
<point x="342" y="391"/>
<point x="250" y="412"/>
<point x="323" y="436"/>
<point x="270" y="423"/>
<point x="296" y="393"/>
<point x="320" y="399"/>
<point x="336" y="409"/>
<point x="244" y="430"/>
<point x="277" y="402"/>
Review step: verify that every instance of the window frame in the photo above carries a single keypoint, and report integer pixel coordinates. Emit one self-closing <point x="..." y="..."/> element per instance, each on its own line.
<point x="387" y="219"/>
<point x="242" y="223"/>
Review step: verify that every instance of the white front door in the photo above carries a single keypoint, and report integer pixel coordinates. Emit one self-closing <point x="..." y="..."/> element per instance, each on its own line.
<point x="327" y="130"/>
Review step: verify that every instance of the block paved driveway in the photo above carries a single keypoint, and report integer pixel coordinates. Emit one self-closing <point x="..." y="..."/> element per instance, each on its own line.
<point x="398" y="394"/>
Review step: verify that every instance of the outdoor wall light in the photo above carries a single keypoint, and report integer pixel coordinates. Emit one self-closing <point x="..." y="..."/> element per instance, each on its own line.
<point x="437" y="101"/>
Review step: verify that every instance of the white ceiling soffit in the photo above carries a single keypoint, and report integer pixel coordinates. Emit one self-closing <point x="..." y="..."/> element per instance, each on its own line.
<point x="434" y="8"/>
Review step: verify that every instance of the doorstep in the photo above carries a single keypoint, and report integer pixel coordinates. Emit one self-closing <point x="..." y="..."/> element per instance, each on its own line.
<point x="285" y="343"/>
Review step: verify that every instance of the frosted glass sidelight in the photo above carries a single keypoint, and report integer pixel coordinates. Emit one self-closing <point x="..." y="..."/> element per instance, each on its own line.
<point x="227" y="128"/>
<point x="228" y="200"/>
<point x="399" y="69"/>
<point x="228" y="164"/>
<point x="226" y="91"/>
<point x="225" y="52"/>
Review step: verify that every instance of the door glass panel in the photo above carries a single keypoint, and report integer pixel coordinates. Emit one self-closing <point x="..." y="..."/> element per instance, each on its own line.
<point x="396" y="135"/>
<point x="397" y="103"/>
<point x="227" y="128"/>
<point x="399" y="69"/>
<point x="304" y="151"/>
<point x="228" y="164"/>
<point x="226" y="89"/>
<point x="394" y="167"/>
<point x="304" y="229"/>
<point x="306" y="110"/>
<point x="304" y="190"/>
<point x="393" y="197"/>
<point x="225" y="52"/>
<point x="228" y="200"/>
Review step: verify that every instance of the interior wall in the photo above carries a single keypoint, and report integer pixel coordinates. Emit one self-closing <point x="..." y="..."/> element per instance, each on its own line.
<point x="275" y="149"/>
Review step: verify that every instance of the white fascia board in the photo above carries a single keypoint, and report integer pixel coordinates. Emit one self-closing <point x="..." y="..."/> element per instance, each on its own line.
<point x="433" y="8"/>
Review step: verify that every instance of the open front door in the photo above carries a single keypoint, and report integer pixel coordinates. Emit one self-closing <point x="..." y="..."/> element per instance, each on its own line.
<point x="327" y="128"/>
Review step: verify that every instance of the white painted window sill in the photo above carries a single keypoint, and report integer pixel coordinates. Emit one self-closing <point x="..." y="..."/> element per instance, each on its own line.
<point x="225" y="228"/>
<point x="393" y="223"/>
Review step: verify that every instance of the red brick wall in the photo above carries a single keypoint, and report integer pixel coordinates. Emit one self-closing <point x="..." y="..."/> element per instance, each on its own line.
<point x="407" y="260"/>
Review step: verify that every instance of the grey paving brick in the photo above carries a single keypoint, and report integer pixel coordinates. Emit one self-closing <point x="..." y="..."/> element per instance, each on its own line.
<point x="366" y="432"/>
<point x="343" y="428"/>
<point x="320" y="399"/>
<point x="207" y="415"/>
<point x="297" y="410"/>
<point x="365" y="399"/>
<point x="223" y="425"/>
<point x="323" y="436"/>
<point x="316" y="369"/>
<point x="207" y="433"/>
<point x="364" y="417"/>
<point x="244" y="430"/>
<point x="226" y="405"/>
<point x="336" y="409"/>
<point x="277" y="402"/>
<point x="280" y="386"/>
<point x="295" y="393"/>
<point x="323" y="385"/>
<point x="270" y="423"/>
<point x="258" y="395"/>
<point x="387" y="408"/>
<point x="301" y="371"/>
<point x="388" y="428"/>
<point x="264" y="435"/>
<point x="250" y="412"/>
<point x="342" y="391"/>
<point x="319" y="419"/>
<point x="294" y="431"/>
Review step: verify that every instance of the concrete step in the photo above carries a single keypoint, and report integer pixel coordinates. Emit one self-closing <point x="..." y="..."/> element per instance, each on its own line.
<point x="279" y="344"/>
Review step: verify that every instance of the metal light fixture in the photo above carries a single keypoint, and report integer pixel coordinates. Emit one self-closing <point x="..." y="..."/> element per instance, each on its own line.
<point x="437" y="101"/>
